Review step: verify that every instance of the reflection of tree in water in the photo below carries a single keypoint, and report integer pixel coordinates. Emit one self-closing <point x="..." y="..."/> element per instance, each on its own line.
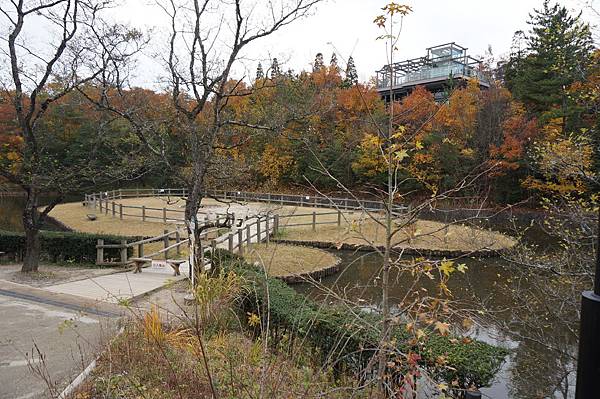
<point x="507" y="304"/>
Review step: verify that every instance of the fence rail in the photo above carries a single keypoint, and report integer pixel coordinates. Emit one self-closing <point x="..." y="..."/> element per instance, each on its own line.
<point x="98" y="199"/>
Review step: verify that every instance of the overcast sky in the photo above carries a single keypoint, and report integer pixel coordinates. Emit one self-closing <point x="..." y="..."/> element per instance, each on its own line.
<point x="346" y="26"/>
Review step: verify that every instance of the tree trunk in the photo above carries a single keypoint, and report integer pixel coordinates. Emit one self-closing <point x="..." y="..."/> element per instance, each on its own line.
<point x="32" y="234"/>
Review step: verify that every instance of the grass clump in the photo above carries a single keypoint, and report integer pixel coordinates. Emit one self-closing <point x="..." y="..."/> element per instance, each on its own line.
<point x="281" y="260"/>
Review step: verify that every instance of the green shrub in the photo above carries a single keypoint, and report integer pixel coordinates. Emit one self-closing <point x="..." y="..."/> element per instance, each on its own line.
<point x="63" y="246"/>
<point x="347" y="339"/>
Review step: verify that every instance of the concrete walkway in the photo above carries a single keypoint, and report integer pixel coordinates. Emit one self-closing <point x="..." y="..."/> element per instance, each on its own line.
<point x="114" y="288"/>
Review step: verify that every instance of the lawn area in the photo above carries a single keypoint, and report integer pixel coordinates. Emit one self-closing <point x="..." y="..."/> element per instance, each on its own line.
<point x="287" y="260"/>
<point x="423" y="234"/>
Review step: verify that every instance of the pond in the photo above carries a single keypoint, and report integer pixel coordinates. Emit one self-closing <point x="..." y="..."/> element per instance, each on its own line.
<point x="486" y="290"/>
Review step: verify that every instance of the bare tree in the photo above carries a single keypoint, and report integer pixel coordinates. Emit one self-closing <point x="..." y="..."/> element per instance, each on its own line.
<point x="40" y="75"/>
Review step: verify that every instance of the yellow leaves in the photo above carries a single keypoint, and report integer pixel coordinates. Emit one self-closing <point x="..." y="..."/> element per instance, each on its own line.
<point x="462" y="268"/>
<point x="467" y="323"/>
<point x="253" y="319"/>
<point x="418" y="145"/>
<point x="400" y="155"/>
<point x="447" y="267"/>
<point x="442" y="328"/>
<point x="274" y="163"/>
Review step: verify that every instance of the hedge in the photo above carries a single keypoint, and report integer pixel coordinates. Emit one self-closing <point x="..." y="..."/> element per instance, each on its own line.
<point x="350" y="340"/>
<point x="63" y="246"/>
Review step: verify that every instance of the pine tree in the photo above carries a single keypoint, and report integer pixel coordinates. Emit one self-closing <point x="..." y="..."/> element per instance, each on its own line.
<point x="275" y="70"/>
<point x="333" y="64"/>
<point x="319" y="63"/>
<point x="558" y="53"/>
<point x="260" y="74"/>
<point x="351" y="74"/>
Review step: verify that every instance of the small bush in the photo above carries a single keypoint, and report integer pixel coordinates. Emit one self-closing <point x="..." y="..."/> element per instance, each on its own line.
<point x="62" y="246"/>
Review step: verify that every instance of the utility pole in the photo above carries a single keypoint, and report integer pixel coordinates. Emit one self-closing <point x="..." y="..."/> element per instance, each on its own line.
<point x="588" y="363"/>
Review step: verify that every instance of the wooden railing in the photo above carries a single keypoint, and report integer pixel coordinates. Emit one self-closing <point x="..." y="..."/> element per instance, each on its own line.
<point x="104" y="199"/>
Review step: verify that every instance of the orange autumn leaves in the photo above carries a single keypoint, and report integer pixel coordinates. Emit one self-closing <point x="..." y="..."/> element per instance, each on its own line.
<point x="475" y="128"/>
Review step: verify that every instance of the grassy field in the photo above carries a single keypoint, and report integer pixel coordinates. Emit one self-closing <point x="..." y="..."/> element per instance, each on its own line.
<point x="286" y="260"/>
<point x="423" y="234"/>
<point x="354" y="228"/>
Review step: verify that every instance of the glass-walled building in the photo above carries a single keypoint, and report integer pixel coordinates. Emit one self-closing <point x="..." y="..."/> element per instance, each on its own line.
<point x="444" y="65"/>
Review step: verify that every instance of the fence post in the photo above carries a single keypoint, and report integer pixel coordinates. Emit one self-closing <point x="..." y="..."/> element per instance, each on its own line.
<point x="314" y="221"/>
<point x="140" y="250"/>
<point x="166" y="243"/>
<point x="121" y="211"/>
<point x="99" y="252"/>
<point x="248" y="239"/>
<point x="143" y="213"/>
<point x="339" y="218"/>
<point x="100" y="205"/>
<point x="178" y="240"/>
<point x="230" y="242"/>
<point x="106" y="206"/>
<point x="276" y="224"/>
<point x="240" y="235"/>
<point x="258" y="230"/>
<point x="113" y="208"/>
<point x="165" y="215"/>
<point x="268" y="231"/>
<point x="213" y="246"/>
<point x="124" y="251"/>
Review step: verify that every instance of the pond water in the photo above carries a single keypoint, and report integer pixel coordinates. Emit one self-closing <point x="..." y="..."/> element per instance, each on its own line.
<point x="530" y="368"/>
<point x="485" y="285"/>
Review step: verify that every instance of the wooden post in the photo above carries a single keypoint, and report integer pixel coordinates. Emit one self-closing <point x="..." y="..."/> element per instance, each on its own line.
<point x="165" y="215"/>
<point x="106" y="206"/>
<point x="267" y="229"/>
<point x="248" y="240"/>
<point x="314" y="221"/>
<point x="121" y="211"/>
<point x="240" y="235"/>
<point x="143" y="213"/>
<point x="178" y="240"/>
<point x="258" y="231"/>
<point x="276" y="225"/>
<point x="124" y="251"/>
<point x="140" y="250"/>
<point x="339" y="218"/>
<point x="166" y="243"/>
<point x="213" y="246"/>
<point x="230" y="242"/>
<point x="100" y="205"/>
<point x="113" y="209"/>
<point x="99" y="252"/>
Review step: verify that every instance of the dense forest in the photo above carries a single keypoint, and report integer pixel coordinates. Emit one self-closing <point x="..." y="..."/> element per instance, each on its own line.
<point x="534" y="130"/>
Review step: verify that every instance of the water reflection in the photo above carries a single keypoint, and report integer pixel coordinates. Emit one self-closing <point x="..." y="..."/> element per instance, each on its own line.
<point x="486" y="290"/>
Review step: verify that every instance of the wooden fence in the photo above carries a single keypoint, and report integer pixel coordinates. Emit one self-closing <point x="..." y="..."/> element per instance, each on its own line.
<point x="104" y="199"/>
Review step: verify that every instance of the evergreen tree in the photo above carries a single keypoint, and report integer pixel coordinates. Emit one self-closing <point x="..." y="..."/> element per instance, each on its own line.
<point x="275" y="70"/>
<point x="260" y="74"/>
<point x="319" y="64"/>
<point x="558" y="53"/>
<point x="333" y="64"/>
<point x="351" y="74"/>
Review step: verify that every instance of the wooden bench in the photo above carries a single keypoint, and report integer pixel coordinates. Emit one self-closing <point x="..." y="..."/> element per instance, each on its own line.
<point x="138" y="263"/>
<point x="175" y="264"/>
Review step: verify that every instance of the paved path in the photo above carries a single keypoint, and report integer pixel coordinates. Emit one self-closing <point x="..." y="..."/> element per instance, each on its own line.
<point x="69" y="331"/>
<point x="114" y="288"/>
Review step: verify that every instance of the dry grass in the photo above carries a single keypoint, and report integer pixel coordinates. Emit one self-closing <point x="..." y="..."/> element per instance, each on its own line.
<point x="355" y="227"/>
<point x="74" y="215"/>
<point x="288" y="260"/>
<point x="423" y="234"/>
